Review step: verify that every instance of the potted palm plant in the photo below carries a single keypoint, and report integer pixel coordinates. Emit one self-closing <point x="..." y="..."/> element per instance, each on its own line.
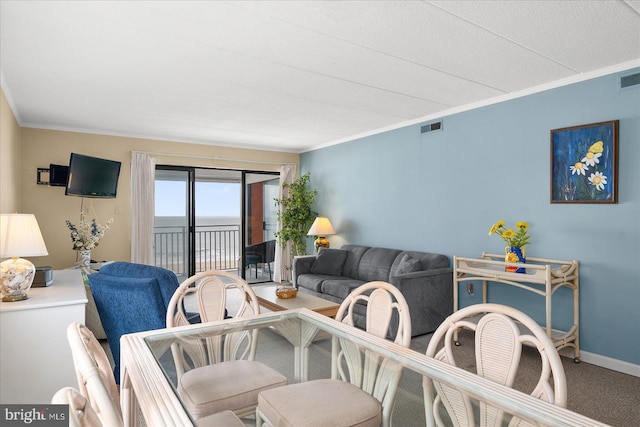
<point x="296" y="215"/>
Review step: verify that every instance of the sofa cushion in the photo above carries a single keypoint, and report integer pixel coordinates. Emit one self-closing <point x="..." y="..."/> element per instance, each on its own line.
<point x="354" y="254"/>
<point x="312" y="281"/>
<point x="329" y="261"/>
<point x="408" y="264"/>
<point x="376" y="264"/>
<point x="340" y="288"/>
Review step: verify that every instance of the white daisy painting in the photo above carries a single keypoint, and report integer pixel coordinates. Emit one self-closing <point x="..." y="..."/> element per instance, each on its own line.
<point x="584" y="163"/>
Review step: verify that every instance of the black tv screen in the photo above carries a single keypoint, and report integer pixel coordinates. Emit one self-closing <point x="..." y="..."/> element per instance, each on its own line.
<point x="92" y="177"/>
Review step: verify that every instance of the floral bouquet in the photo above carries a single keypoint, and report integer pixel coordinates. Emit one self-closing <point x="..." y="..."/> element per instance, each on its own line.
<point x="87" y="234"/>
<point x="516" y="241"/>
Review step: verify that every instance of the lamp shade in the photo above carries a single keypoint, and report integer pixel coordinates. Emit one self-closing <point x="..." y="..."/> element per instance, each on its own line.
<point x="321" y="227"/>
<point x="20" y="236"/>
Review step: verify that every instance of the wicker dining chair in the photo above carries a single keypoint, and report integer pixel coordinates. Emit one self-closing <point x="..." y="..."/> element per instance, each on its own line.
<point x="363" y="385"/>
<point x="95" y="376"/>
<point x="219" y="373"/>
<point x="500" y="332"/>
<point x="81" y="414"/>
<point x="98" y="387"/>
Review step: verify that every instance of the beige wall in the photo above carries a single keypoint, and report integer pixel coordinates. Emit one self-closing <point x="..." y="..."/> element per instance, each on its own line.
<point x="9" y="158"/>
<point x="52" y="207"/>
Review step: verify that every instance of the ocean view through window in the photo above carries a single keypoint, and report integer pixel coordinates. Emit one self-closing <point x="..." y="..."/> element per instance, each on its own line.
<point x="199" y="224"/>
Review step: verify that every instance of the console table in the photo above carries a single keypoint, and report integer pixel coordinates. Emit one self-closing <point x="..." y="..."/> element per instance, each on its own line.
<point x="35" y="358"/>
<point x="542" y="276"/>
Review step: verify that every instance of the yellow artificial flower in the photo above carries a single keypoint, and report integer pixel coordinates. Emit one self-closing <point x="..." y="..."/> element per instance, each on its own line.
<point x="518" y="238"/>
<point x="507" y="234"/>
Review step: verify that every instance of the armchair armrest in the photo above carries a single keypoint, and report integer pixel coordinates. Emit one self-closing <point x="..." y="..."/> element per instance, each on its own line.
<point x="301" y="265"/>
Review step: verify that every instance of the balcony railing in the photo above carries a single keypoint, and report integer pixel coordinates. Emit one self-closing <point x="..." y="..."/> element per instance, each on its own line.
<point x="217" y="247"/>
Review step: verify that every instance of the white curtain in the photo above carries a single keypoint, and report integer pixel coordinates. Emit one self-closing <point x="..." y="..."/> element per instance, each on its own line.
<point x="283" y="256"/>
<point x="143" y="172"/>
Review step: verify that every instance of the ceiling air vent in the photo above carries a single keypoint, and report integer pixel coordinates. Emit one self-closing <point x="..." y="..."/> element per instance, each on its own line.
<point x="431" y="127"/>
<point x="629" y="80"/>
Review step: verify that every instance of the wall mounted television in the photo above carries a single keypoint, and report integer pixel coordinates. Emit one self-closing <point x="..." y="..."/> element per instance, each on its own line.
<point x="92" y="177"/>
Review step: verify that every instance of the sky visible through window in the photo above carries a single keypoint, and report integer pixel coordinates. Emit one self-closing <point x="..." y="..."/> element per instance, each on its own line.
<point x="212" y="198"/>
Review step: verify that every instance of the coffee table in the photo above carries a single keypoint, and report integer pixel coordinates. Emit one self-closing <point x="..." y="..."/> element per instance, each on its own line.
<point x="267" y="298"/>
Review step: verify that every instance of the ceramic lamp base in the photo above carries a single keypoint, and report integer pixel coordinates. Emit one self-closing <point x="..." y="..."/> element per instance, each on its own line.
<point x="321" y="242"/>
<point x="16" y="277"/>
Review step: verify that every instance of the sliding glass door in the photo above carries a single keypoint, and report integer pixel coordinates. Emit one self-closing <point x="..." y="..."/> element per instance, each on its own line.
<point x="261" y="190"/>
<point x="217" y="233"/>
<point x="172" y="220"/>
<point x="199" y="225"/>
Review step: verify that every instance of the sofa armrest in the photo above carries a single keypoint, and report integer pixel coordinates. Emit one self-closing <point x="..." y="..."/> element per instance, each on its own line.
<point x="436" y="272"/>
<point x="301" y="265"/>
<point x="429" y="295"/>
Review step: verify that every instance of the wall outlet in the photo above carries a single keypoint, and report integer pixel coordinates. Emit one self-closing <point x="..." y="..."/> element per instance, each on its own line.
<point x="470" y="288"/>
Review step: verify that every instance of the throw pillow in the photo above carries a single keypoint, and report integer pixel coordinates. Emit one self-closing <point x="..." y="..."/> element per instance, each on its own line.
<point x="408" y="265"/>
<point x="329" y="261"/>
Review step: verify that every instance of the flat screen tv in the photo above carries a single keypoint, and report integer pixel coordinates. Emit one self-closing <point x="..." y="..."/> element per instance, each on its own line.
<point x="92" y="177"/>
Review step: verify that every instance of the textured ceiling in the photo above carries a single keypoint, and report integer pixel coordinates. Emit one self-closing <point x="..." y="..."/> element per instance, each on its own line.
<point x="293" y="75"/>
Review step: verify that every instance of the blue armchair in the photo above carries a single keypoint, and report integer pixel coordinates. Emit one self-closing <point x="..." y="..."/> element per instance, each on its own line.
<point x="131" y="298"/>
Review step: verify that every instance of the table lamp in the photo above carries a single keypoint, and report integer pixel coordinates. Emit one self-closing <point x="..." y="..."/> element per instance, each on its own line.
<point x="321" y="227"/>
<point x="19" y="236"/>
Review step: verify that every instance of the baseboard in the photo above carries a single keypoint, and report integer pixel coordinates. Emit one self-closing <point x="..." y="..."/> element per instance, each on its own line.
<point x="610" y="363"/>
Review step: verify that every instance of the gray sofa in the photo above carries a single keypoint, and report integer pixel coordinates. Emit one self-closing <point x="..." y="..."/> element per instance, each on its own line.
<point x="425" y="279"/>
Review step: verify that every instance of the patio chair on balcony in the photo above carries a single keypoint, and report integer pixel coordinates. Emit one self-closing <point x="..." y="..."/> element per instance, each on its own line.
<point x="261" y="253"/>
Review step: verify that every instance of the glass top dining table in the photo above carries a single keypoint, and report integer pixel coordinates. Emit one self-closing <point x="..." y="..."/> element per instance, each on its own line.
<point x="301" y="344"/>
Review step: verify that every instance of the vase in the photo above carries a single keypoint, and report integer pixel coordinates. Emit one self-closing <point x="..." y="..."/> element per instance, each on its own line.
<point x="515" y="254"/>
<point x="85" y="260"/>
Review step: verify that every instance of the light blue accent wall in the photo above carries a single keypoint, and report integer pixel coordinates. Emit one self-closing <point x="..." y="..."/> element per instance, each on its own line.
<point x="442" y="191"/>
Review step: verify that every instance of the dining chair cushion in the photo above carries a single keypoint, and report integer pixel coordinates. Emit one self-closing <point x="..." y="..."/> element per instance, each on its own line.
<point x="320" y="403"/>
<point x="234" y="384"/>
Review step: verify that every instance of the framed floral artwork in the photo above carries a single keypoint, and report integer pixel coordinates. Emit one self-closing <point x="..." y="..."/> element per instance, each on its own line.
<point x="584" y="163"/>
